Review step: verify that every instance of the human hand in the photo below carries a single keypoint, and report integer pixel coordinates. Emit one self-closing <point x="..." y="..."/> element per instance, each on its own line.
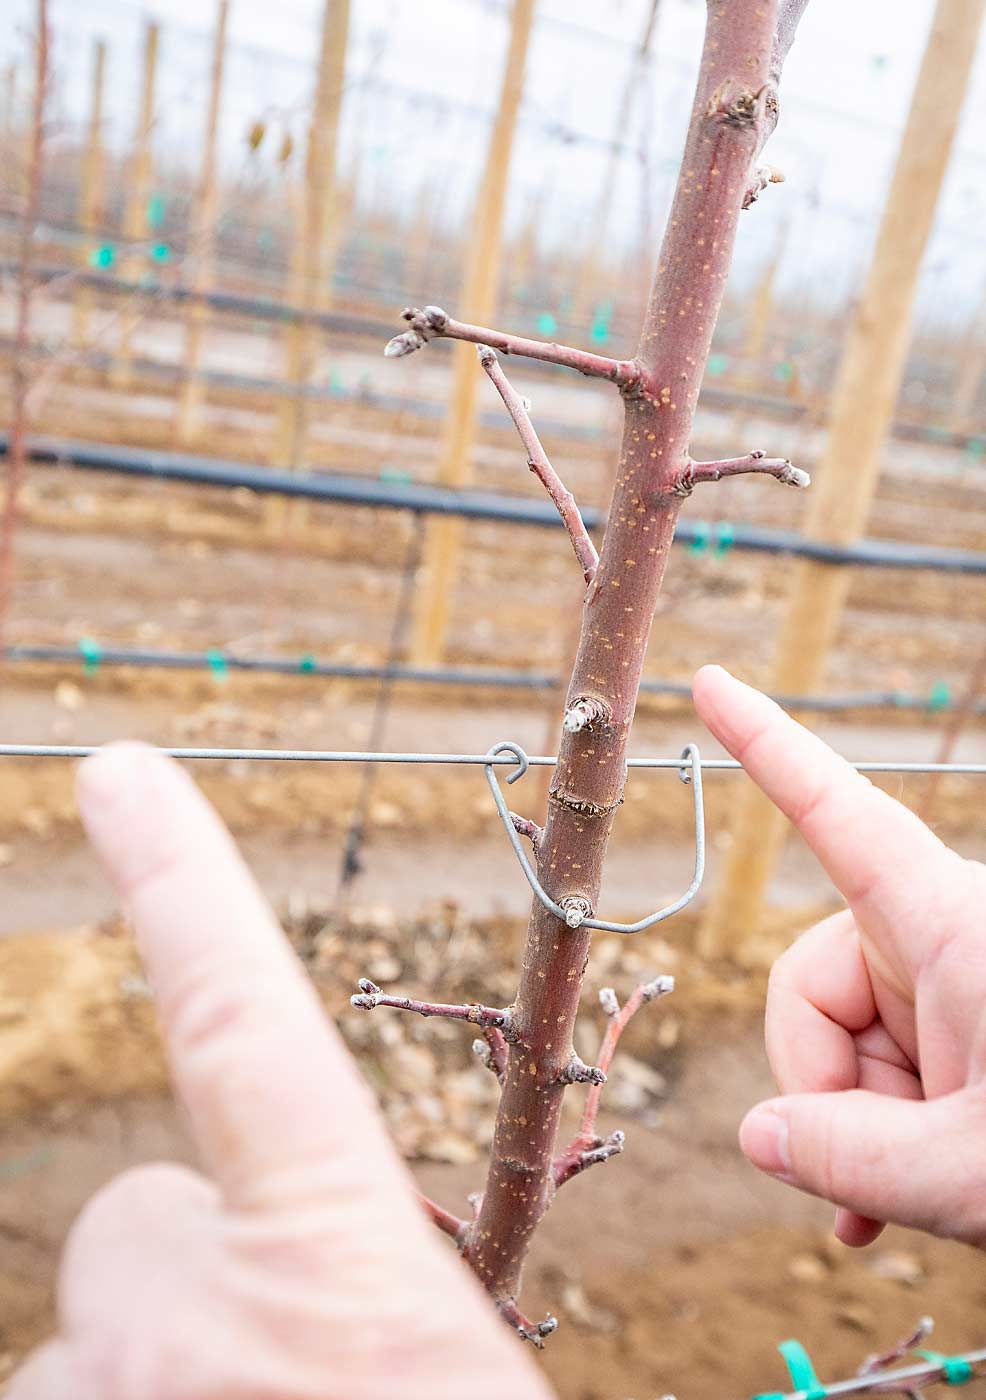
<point x="304" y="1269"/>
<point x="876" y="1018"/>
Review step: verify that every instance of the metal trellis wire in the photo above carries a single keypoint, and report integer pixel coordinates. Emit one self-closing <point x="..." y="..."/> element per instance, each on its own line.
<point x="575" y="912"/>
<point x="478" y="760"/>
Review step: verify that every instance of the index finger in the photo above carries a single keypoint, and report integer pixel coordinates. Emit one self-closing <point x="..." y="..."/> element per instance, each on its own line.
<point x="277" y="1106"/>
<point x="879" y="855"/>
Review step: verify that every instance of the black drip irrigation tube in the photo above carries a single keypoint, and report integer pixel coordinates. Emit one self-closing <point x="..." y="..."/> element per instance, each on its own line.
<point x="92" y="655"/>
<point x="345" y="323"/>
<point x="341" y="489"/>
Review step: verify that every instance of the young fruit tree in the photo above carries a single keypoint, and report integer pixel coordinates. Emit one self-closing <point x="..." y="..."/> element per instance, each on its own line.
<point x="528" y="1045"/>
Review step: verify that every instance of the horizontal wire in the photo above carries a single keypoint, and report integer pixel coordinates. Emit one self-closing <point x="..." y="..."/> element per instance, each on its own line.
<point x="474" y="759"/>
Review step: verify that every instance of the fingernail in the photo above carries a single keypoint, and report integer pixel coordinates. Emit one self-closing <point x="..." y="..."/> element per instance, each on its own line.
<point x="763" y="1137"/>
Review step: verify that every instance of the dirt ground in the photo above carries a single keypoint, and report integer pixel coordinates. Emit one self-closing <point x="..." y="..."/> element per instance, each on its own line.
<point x="697" y="1267"/>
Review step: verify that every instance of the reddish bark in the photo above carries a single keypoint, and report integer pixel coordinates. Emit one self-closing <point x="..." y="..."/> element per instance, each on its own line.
<point x="735" y="108"/>
<point x="731" y="103"/>
<point x="537" y="460"/>
<point x="433" y="324"/>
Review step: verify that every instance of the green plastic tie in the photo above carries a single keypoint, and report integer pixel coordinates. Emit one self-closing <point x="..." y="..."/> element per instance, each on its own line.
<point x="976" y="447"/>
<point x="104" y="256"/>
<point x="940" y="697"/>
<point x="546" y="324"/>
<point x="784" y="371"/>
<point x="92" y="654"/>
<point x="801" y="1371"/>
<point x="155" y="211"/>
<point x="161" y="253"/>
<point x="218" y="664"/>
<point x="602" y="316"/>
<point x="398" y="475"/>
<point x="717" y="364"/>
<point x="956" y="1369"/>
<point x="702" y="538"/>
<point x="307" y="663"/>
<point x="725" y="538"/>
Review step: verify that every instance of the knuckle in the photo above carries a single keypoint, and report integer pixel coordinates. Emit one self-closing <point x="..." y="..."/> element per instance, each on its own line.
<point x="208" y="1005"/>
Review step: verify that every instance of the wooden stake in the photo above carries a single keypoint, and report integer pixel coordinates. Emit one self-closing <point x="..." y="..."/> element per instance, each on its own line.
<point x="443" y="537"/>
<point x="9" y="102"/>
<point x="952" y="732"/>
<point x="203" y="237"/>
<point x="314" y="256"/>
<point x="138" y="192"/>
<point x="863" y="405"/>
<point x="965" y="402"/>
<point x="761" y="310"/>
<point x="91" y="204"/>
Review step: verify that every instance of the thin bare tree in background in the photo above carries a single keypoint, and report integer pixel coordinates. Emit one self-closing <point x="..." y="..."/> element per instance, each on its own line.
<point x="21" y="369"/>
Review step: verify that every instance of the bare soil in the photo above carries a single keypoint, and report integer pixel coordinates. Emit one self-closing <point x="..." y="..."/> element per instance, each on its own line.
<point x="694" y="1267"/>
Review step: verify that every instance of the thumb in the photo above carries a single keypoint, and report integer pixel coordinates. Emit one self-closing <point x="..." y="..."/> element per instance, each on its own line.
<point x="914" y="1162"/>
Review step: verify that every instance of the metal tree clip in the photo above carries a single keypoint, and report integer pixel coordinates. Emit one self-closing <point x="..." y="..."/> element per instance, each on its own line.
<point x="689" y="772"/>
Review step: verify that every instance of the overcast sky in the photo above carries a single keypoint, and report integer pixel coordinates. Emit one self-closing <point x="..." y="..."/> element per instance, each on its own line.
<point x="436" y="63"/>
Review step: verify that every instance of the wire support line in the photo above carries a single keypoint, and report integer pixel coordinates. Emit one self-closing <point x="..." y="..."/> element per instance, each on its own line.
<point x="475" y="760"/>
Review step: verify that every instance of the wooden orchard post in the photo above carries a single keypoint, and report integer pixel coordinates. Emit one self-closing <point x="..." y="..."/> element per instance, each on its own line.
<point x="863" y="404"/>
<point x="310" y="284"/>
<point x="203" y="237"/>
<point x="91" y="207"/>
<point x="138" y="192"/>
<point x="9" y="102"/>
<point x="761" y="310"/>
<point x="952" y="732"/>
<point x="972" y="370"/>
<point x="443" y="538"/>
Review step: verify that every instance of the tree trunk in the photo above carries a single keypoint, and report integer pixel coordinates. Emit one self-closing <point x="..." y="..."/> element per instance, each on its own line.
<point x="732" y="102"/>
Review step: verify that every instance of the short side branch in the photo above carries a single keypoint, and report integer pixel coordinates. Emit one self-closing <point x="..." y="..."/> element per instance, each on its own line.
<point x="492" y="1051"/>
<point x="789" y="14"/>
<point x="587" y="1148"/>
<point x="578" y="1072"/>
<point x="433" y="323"/>
<point x="525" y="827"/>
<point x="448" y="1223"/>
<point x="577" y="1159"/>
<point x="530" y="1331"/>
<point x="693" y="474"/>
<point x="584" y="712"/>
<point x="537" y="460"/>
<point x="370" y="996"/>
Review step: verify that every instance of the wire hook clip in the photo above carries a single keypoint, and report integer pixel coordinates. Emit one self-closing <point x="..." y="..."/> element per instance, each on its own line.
<point x="690" y="771"/>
